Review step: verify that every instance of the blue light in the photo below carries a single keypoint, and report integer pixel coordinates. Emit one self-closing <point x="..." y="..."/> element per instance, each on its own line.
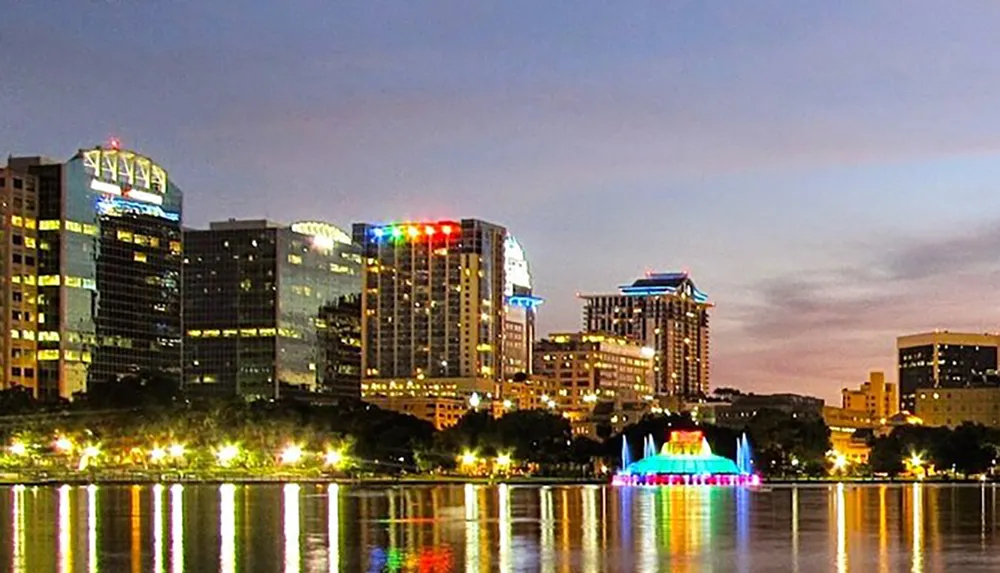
<point x="116" y="207"/>
<point x="378" y="232"/>
<point x="525" y="301"/>
<point x="646" y="291"/>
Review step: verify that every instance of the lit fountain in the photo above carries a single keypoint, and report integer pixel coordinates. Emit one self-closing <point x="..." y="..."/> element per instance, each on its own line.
<point x="687" y="459"/>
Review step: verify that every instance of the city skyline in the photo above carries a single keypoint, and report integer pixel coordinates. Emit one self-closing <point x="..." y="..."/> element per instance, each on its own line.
<point x="799" y="166"/>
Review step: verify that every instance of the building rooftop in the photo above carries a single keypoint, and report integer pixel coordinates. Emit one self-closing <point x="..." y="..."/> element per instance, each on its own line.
<point x="243" y="224"/>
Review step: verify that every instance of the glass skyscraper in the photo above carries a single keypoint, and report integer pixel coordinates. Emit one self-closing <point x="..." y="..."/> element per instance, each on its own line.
<point x="109" y="269"/>
<point x="271" y="310"/>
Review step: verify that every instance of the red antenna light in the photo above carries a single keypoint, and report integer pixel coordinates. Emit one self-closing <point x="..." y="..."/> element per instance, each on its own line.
<point x="115" y="143"/>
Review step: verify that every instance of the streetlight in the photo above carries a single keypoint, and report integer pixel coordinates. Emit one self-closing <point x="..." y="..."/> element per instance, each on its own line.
<point x="291" y="455"/>
<point x="63" y="444"/>
<point x="226" y="454"/>
<point x="333" y="458"/>
<point x="18" y="448"/>
<point x="91" y="451"/>
<point x="176" y="450"/>
<point x="839" y="461"/>
<point x="469" y="458"/>
<point x="475" y="400"/>
<point x="503" y="460"/>
<point x="157" y="454"/>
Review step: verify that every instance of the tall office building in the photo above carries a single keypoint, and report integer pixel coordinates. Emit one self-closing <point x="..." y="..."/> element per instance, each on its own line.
<point x="943" y="359"/>
<point x="109" y="266"/>
<point x="18" y="278"/>
<point x="271" y="310"/>
<point x="667" y="313"/>
<point x="447" y="309"/>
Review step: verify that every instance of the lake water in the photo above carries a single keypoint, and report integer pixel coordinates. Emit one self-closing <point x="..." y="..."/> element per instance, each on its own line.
<point x="312" y="528"/>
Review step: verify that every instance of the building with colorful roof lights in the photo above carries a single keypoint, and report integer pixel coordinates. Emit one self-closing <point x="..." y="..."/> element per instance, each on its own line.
<point x="665" y="312"/>
<point x="447" y="310"/>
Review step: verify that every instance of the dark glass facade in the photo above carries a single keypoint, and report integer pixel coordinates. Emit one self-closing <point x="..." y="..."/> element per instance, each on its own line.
<point x="257" y="306"/>
<point x="109" y="240"/>
<point x="944" y="365"/>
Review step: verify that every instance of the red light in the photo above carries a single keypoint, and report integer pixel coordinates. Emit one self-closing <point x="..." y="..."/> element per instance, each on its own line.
<point x="115" y="143"/>
<point x="446" y="229"/>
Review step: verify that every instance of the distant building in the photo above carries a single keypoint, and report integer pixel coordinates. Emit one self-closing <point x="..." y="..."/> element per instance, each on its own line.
<point x="443" y="412"/>
<point x="953" y="406"/>
<point x="270" y="308"/>
<point x="18" y="279"/>
<point x="525" y="393"/>
<point x="593" y="367"/>
<point x="943" y="359"/>
<point x="667" y="313"/>
<point x="447" y="308"/>
<point x="880" y="399"/>
<point x="108" y="269"/>
<point x="745" y="406"/>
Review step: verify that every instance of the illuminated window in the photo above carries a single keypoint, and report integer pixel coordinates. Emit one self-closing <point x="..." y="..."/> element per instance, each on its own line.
<point x="295" y="259"/>
<point x="139" y="257"/>
<point x="28" y="279"/>
<point x="210" y="333"/>
<point x="194" y="333"/>
<point x="74" y="227"/>
<point x="89" y="230"/>
<point x="75" y="282"/>
<point x="45" y="355"/>
<point x="230" y="332"/>
<point x="48" y="225"/>
<point x="15" y="333"/>
<point x="16" y="221"/>
<point x="30" y="242"/>
<point x="29" y="223"/>
<point x="248" y="332"/>
<point x="124" y="235"/>
<point x="48" y="280"/>
<point x="28" y="334"/>
<point x="175" y="247"/>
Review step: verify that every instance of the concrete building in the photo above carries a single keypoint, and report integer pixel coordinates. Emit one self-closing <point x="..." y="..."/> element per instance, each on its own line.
<point x="18" y="279"/>
<point x="271" y="309"/>
<point x="592" y="367"/>
<point x="953" y="406"/>
<point x="108" y="269"/>
<point x="447" y="309"/>
<point x="943" y="359"/>
<point x="443" y="412"/>
<point x="525" y="393"/>
<point x="667" y="313"/>
<point x="878" y="398"/>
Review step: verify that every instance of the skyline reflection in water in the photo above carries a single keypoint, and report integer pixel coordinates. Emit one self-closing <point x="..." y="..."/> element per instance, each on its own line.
<point x="308" y="528"/>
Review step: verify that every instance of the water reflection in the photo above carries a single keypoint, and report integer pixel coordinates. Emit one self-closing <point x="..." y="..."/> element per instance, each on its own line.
<point x="227" y="528"/>
<point x="65" y="530"/>
<point x="17" y="526"/>
<point x="291" y="505"/>
<point x="480" y="528"/>
<point x="333" y="526"/>
<point x="177" y="528"/>
<point x="92" y="528"/>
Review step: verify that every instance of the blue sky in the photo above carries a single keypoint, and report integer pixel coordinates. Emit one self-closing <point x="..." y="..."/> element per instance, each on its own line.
<point x="826" y="171"/>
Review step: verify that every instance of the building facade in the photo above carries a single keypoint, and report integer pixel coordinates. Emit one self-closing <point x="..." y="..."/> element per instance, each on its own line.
<point x="108" y="270"/>
<point x="880" y="399"/>
<point x="271" y="310"/>
<point x="589" y="368"/>
<point x="943" y="359"/>
<point x="745" y="406"/>
<point x="667" y="313"/>
<point x="954" y="406"/>
<point x="447" y="309"/>
<point x="18" y="279"/>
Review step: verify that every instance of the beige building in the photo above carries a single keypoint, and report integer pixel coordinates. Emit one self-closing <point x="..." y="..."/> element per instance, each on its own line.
<point x="18" y="280"/>
<point x="880" y="399"/>
<point x="844" y="424"/>
<point x="953" y="406"/>
<point x="592" y="368"/>
<point x="531" y="393"/>
<point x="442" y="412"/>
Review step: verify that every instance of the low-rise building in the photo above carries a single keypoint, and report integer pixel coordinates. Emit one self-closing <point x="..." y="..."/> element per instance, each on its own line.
<point x="443" y="412"/>
<point x="880" y="399"/>
<point x="953" y="406"/>
<point x="745" y="406"/>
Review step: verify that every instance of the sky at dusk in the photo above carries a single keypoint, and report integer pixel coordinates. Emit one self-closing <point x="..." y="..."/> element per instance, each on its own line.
<point x="827" y="171"/>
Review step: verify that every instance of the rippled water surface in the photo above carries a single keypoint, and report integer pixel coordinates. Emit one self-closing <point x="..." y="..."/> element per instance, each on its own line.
<point x="312" y="528"/>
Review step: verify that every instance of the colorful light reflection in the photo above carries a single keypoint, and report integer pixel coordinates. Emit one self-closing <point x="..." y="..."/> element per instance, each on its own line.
<point x="685" y="460"/>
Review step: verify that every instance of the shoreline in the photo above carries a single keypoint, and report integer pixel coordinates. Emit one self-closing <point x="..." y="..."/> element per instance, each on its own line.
<point x="412" y="480"/>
